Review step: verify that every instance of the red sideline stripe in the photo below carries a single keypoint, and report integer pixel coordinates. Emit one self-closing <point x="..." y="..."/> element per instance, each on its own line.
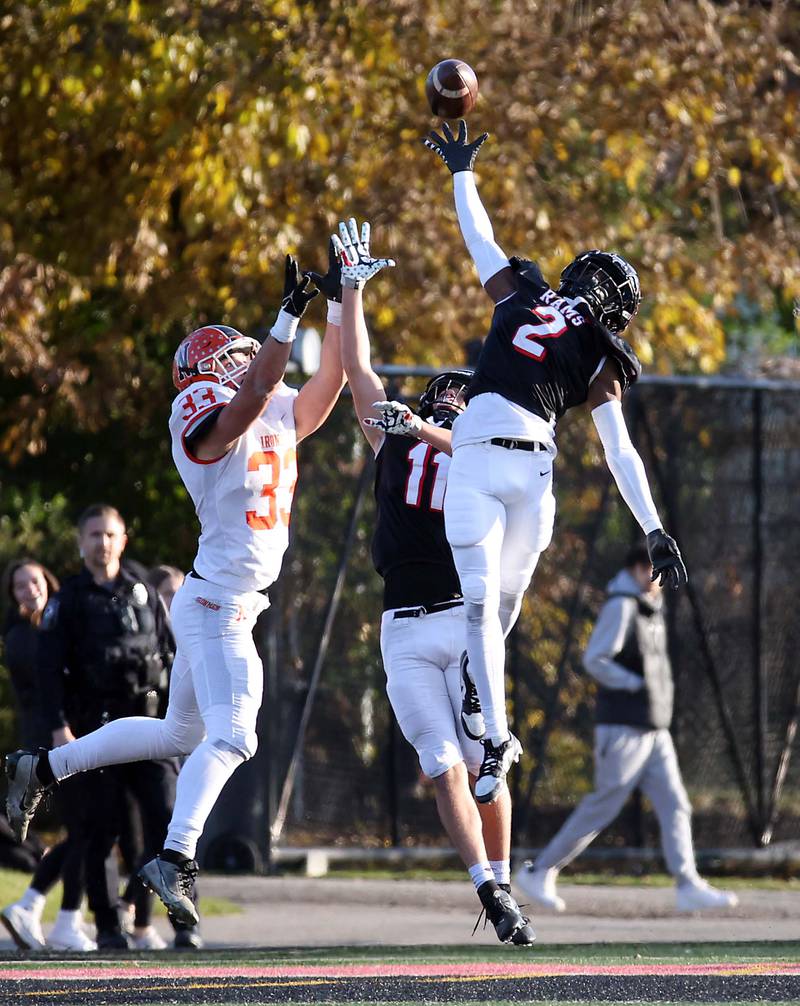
<point x="78" y="972"/>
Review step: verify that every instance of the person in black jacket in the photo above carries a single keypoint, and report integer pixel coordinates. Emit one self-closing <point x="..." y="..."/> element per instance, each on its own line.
<point x="105" y="653"/>
<point x="27" y="586"/>
<point x="627" y="656"/>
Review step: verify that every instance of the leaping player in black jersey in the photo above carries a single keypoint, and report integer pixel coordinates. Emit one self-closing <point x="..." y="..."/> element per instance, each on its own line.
<point x="546" y="351"/>
<point x="422" y="629"/>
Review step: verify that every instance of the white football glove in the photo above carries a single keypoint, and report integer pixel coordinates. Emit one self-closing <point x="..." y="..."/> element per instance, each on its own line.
<point x="394" y="418"/>
<point x="357" y="264"/>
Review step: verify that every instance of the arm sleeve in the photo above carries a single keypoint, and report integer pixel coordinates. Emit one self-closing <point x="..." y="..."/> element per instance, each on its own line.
<point x="607" y="639"/>
<point x="476" y="227"/>
<point x="625" y="464"/>
<point x="51" y="663"/>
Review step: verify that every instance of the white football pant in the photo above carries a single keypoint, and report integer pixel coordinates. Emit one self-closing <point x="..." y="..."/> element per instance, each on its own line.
<point x="214" y="697"/>
<point x="423" y="681"/>
<point x="499" y="510"/>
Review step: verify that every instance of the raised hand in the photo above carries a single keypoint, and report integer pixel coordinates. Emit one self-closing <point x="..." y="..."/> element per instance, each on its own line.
<point x="296" y="292"/>
<point x="455" y="151"/>
<point x="394" y="418"/>
<point x="353" y="252"/>
<point x="331" y="283"/>
<point x="666" y="559"/>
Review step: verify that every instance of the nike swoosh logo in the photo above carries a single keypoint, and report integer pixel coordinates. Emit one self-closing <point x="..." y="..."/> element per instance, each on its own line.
<point x="546" y="472"/>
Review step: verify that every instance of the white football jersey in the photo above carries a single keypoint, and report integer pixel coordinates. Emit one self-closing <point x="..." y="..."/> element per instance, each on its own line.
<point x="244" y="498"/>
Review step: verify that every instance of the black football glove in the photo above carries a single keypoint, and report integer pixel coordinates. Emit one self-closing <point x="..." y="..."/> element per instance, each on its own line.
<point x="666" y="559"/>
<point x="456" y="153"/>
<point x="331" y="283"/>
<point x="296" y="292"/>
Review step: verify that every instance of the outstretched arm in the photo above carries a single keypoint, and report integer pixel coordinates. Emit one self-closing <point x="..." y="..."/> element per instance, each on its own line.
<point x="491" y="261"/>
<point x="624" y="463"/>
<point x="263" y="375"/>
<point x="398" y="418"/>
<point x="357" y="268"/>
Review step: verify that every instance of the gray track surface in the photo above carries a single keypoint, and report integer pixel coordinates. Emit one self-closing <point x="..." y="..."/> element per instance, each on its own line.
<point x="285" y="911"/>
<point x="291" y="912"/>
<point x="595" y="988"/>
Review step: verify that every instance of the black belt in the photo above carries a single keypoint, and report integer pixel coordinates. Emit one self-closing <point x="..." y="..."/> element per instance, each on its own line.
<point x="423" y="610"/>
<point x="194" y="573"/>
<point x="518" y="445"/>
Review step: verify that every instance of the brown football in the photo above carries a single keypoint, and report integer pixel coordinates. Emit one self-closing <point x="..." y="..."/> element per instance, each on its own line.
<point x="451" y="89"/>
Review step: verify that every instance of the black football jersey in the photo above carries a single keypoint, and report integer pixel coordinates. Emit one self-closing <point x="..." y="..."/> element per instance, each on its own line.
<point x="409" y="547"/>
<point x="542" y="351"/>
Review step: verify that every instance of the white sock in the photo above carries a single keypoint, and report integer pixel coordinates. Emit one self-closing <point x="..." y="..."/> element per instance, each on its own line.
<point x="32" y="901"/>
<point x="480" y="873"/>
<point x="501" y="868"/>
<point x="69" y="920"/>
<point x="200" y="782"/>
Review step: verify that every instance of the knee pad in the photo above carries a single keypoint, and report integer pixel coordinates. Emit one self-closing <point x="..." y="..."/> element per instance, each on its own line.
<point x="436" y="759"/>
<point x="510" y="605"/>
<point x="476" y="588"/>
<point x="232" y="728"/>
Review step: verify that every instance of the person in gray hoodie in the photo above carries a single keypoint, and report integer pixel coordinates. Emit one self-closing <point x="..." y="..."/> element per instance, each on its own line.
<point x="627" y="656"/>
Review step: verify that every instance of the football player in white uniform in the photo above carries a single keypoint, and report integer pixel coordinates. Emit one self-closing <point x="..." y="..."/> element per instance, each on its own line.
<point x="235" y="426"/>
<point x="422" y="628"/>
<point x="547" y="351"/>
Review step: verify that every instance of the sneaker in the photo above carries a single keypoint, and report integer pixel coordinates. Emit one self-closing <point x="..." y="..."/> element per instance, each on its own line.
<point x="70" y="936"/>
<point x="539" y="885"/>
<point x="503" y="912"/>
<point x="113" y="939"/>
<point x="496" y="762"/>
<point x="148" y="939"/>
<point x="174" y="885"/>
<point x="471" y="716"/>
<point x="698" y="895"/>
<point x="24" y="927"/>
<point x="24" y="791"/>
<point x="188" y="939"/>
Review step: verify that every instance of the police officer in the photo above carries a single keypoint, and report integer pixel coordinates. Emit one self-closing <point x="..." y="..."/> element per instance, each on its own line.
<point x="105" y="652"/>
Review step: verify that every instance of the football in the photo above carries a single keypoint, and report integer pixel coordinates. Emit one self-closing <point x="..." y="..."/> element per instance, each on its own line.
<point x="451" y="89"/>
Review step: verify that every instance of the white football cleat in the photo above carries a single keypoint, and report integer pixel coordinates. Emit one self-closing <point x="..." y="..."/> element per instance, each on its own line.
<point x="699" y="895"/>
<point x="24" y="926"/>
<point x="539" y="885"/>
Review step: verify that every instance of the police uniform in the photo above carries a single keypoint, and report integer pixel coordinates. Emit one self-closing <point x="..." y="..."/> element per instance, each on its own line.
<point x="422" y="628"/>
<point x="105" y="650"/>
<point x="540" y="358"/>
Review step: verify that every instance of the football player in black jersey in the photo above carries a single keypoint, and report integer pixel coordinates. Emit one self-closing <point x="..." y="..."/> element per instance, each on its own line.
<point x="546" y="352"/>
<point x="422" y="628"/>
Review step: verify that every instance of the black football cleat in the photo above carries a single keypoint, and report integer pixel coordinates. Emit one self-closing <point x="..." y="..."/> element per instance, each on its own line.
<point x="471" y="716"/>
<point x="25" y="791"/>
<point x="174" y="885"/>
<point x="503" y="912"/>
<point x="496" y="763"/>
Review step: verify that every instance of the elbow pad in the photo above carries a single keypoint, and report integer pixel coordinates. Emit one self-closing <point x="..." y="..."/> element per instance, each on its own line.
<point x="476" y="227"/>
<point x="625" y="464"/>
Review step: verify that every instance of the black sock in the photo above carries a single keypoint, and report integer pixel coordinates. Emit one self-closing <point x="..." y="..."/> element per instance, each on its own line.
<point x="43" y="771"/>
<point x="171" y="856"/>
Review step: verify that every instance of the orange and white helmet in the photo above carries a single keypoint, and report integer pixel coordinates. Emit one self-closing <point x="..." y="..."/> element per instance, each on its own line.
<point x="204" y="355"/>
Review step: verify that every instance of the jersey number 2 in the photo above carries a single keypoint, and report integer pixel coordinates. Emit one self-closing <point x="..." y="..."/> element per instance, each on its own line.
<point x="553" y="325"/>
<point x="419" y="456"/>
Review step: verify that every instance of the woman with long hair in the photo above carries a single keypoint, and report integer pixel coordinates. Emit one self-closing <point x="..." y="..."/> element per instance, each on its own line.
<point x="26" y="588"/>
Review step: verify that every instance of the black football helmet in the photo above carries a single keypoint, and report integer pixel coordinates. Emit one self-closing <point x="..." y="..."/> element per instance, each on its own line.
<point x="608" y="284"/>
<point x="443" y="398"/>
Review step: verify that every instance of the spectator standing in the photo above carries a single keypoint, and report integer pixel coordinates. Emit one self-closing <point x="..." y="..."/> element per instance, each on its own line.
<point x="27" y="587"/>
<point x="627" y="656"/>
<point x="105" y="654"/>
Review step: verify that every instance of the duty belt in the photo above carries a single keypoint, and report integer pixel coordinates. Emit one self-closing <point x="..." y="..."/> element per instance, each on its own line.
<point x="422" y="609"/>
<point x="518" y="445"/>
